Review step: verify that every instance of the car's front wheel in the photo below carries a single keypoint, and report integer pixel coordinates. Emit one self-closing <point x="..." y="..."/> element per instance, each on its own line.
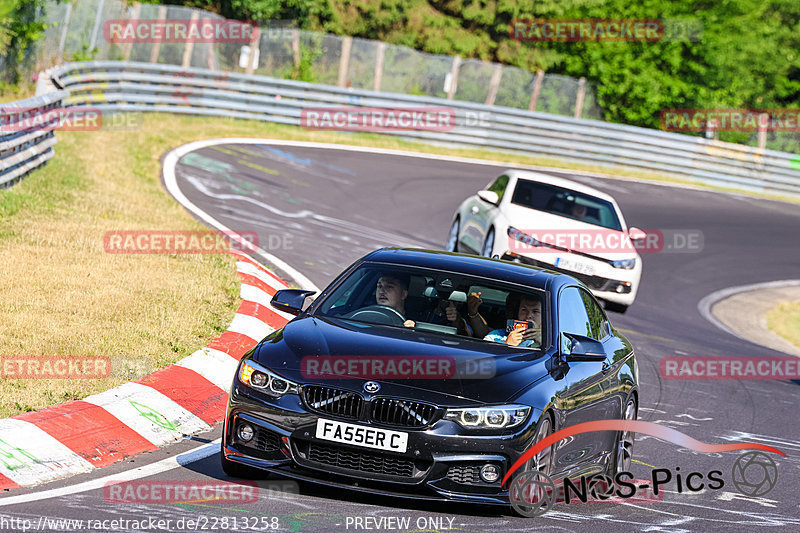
<point x="488" y="244"/>
<point x="452" y="239"/>
<point x="238" y="470"/>
<point x="532" y="492"/>
<point x="623" y="455"/>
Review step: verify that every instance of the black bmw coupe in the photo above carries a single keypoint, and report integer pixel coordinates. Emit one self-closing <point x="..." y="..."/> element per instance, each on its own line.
<point x="427" y="374"/>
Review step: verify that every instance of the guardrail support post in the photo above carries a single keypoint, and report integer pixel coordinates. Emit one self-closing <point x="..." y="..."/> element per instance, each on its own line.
<point x="296" y="58"/>
<point x="127" y="48"/>
<point x="162" y="17"/>
<point x="212" y="56"/>
<point x="255" y="50"/>
<point x="763" y="122"/>
<point x="537" y="87"/>
<point x="497" y="73"/>
<point x="344" y="61"/>
<point x="188" y="47"/>
<point x="451" y="91"/>
<point x="376" y="85"/>
<point x="63" y="41"/>
<point x="93" y="42"/>
<point x="579" y="98"/>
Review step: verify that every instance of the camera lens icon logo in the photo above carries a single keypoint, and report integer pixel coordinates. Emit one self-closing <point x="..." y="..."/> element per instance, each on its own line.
<point x="754" y="474"/>
<point x="532" y="493"/>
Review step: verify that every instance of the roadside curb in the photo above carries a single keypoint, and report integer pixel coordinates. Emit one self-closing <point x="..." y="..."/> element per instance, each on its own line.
<point x="742" y="312"/>
<point x="185" y="398"/>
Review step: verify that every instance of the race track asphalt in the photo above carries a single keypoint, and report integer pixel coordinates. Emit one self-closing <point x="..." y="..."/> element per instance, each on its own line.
<point x="321" y="209"/>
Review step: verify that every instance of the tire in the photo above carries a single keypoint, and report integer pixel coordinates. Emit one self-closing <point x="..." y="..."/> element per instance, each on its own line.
<point x="452" y="238"/>
<point x="623" y="454"/>
<point x="240" y="471"/>
<point x="616" y="308"/>
<point x="542" y="462"/>
<point x="488" y="244"/>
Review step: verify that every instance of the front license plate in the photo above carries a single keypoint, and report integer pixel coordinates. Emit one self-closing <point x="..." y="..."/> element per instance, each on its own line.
<point x="568" y="263"/>
<point x="381" y="439"/>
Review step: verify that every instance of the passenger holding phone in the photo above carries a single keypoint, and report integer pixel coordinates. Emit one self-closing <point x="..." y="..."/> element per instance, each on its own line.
<point x="474" y="325"/>
<point x="525" y="322"/>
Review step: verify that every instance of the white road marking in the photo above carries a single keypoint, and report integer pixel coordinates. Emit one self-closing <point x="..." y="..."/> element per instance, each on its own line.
<point x="307" y="216"/>
<point x="683" y="415"/>
<point x="171" y="183"/>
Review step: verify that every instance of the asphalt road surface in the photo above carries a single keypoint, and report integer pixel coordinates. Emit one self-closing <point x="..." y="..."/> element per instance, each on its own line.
<point x="320" y="209"/>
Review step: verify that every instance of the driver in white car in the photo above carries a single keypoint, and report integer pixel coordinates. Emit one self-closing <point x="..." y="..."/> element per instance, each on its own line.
<point x="392" y="291"/>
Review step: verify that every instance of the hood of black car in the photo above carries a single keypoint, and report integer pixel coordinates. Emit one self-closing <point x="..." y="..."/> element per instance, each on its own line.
<point x="312" y="350"/>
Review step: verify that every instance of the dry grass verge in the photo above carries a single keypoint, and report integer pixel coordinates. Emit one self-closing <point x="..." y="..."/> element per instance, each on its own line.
<point x="784" y="319"/>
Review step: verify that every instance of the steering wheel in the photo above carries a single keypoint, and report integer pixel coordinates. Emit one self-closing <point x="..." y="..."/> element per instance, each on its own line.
<point x="378" y="314"/>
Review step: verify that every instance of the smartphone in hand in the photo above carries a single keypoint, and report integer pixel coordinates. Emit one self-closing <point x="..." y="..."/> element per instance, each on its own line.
<point x="512" y="325"/>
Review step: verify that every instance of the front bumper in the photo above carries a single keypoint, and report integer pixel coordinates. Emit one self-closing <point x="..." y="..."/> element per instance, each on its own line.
<point x="442" y="462"/>
<point x="620" y="289"/>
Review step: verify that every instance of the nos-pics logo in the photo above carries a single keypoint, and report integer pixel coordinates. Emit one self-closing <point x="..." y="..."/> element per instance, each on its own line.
<point x="533" y="493"/>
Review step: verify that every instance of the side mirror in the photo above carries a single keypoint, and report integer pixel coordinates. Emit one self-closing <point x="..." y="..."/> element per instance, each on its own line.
<point x="636" y="234"/>
<point x="489" y="196"/>
<point x="582" y="348"/>
<point x="291" y="300"/>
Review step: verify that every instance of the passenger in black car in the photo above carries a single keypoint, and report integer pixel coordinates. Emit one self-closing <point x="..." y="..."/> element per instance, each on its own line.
<point x="475" y="321"/>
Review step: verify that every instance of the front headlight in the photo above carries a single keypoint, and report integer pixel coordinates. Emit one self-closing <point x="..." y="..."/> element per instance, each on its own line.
<point x="627" y="264"/>
<point x="494" y="417"/>
<point x="256" y="376"/>
<point x="523" y="237"/>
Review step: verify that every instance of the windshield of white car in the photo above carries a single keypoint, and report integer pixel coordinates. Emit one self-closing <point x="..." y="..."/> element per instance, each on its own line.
<point x="566" y="203"/>
<point x="392" y="296"/>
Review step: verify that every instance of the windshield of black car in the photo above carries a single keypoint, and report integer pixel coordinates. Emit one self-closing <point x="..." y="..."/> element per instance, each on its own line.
<point x="566" y="203"/>
<point x="428" y="301"/>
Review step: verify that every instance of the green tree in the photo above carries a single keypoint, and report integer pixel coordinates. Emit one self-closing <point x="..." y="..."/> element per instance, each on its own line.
<point x="747" y="56"/>
<point x="19" y="29"/>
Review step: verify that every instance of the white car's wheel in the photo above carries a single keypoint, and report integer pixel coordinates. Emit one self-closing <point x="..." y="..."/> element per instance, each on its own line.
<point x="615" y="307"/>
<point x="452" y="239"/>
<point x="488" y="244"/>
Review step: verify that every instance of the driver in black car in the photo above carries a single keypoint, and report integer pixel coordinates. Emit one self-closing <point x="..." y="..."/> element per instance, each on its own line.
<point x="392" y="291"/>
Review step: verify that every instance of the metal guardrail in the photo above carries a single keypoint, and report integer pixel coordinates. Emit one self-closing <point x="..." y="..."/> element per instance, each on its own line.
<point x="26" y="135"/>
<point x="127" y="86"/>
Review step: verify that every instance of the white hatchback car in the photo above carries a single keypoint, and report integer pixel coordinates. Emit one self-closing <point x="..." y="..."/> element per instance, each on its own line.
<point x="557" y="224"/>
